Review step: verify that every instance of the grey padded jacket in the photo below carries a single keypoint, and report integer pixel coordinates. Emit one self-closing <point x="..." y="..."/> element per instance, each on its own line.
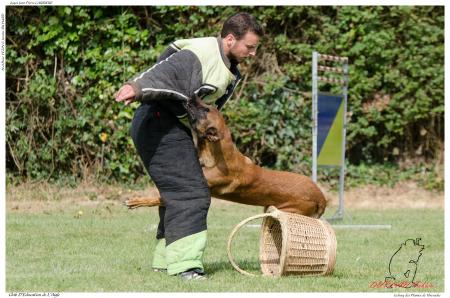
<point x="187" y="67"/>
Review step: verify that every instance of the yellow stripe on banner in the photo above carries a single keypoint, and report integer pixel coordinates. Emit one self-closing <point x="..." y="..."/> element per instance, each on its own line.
<point x="331" y="153"/>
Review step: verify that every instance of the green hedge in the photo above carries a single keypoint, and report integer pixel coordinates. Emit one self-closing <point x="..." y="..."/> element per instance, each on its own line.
<point x="65" y="63"/>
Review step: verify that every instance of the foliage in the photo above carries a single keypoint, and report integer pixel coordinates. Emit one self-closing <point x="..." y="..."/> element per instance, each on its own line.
<point x="427" y="176"/>
<point x="64" y="64"/>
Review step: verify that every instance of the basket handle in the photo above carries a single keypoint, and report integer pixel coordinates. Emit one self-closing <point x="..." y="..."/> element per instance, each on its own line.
<point x="230" y="240"/>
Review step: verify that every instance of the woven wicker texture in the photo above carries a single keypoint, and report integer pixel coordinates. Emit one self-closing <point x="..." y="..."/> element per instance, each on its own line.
<point x="292" y="244"/>
<point x="271" y="247"/>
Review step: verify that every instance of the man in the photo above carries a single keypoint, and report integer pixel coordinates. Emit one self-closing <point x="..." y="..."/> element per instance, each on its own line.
<point x="206" y="67"/>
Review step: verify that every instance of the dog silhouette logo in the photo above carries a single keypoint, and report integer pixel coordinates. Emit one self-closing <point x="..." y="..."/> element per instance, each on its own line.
<point x="403" y="264"/>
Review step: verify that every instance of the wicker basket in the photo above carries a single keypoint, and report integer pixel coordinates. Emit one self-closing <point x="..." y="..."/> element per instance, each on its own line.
<point x="291" y="244"/>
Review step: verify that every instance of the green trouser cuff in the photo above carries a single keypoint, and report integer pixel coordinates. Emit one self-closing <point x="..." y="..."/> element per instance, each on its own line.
<point x="159" y="255"/>
<point x="186" y="253"/>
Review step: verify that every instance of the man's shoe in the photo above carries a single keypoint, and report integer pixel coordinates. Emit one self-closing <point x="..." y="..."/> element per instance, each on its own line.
<point x="193" y="274"/>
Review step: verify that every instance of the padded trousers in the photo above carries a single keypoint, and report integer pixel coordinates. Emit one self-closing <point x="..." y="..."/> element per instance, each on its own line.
<point x="167" y="151"/>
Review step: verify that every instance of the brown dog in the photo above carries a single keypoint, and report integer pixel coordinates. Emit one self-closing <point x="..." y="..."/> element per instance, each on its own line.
<point x="234" y="177"/>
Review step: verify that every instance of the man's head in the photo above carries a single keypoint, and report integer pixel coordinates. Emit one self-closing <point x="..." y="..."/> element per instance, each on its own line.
<point x="240" y="34"/>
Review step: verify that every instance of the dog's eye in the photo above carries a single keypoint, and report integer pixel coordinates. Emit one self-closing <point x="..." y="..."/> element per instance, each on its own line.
<point x="211" y="131"/>
<point x="206" y="110"/>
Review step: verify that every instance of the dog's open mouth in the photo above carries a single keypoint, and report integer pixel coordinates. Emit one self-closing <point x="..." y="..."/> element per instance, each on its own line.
<point x="191" y="113"/>
<point x="196" y="111"/>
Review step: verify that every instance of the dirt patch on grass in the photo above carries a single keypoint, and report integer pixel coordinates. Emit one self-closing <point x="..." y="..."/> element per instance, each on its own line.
<point x="403" y="195"/>
<point x="42" y="197"/>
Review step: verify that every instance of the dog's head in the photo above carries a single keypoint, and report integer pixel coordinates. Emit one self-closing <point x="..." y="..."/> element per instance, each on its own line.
<point x="206" y="120"/>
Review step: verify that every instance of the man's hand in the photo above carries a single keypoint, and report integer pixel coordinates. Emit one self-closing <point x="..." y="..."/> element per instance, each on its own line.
<point x="125" y="94"/>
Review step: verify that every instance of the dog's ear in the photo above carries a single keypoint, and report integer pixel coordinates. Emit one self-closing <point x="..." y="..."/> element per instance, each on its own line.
<point x="213" y="135"/>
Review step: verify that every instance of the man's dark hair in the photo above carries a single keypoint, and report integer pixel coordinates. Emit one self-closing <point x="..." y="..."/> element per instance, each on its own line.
<point x="239" y="24"/>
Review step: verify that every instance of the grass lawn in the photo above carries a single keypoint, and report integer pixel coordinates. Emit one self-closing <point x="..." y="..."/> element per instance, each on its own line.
<point x="108" y="249"/>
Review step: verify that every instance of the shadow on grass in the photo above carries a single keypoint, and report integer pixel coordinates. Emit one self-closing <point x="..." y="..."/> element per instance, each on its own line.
<point x="218" y="267"/>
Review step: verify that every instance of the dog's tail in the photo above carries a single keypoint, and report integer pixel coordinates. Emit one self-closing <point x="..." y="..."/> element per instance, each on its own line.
<point x="143" y="202"/>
